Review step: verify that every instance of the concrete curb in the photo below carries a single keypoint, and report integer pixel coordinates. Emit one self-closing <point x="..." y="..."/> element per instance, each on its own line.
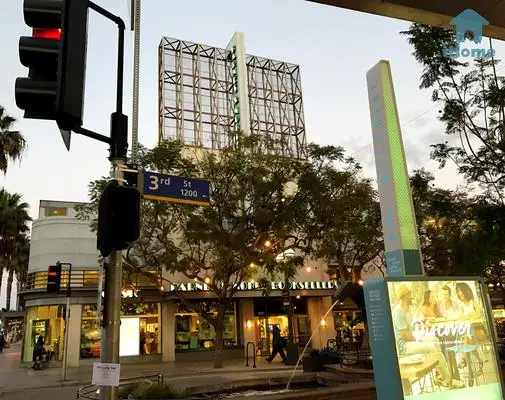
<point x="50" y="386"/>
<point x="84" y="382"/>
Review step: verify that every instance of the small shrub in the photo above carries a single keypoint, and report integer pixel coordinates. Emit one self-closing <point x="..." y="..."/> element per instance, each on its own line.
<point x="126" y="390"/>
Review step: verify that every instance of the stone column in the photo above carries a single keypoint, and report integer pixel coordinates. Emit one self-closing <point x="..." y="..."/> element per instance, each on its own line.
<point x="168" y="331"/>
<point x="328" y="330"/>
<point x="247" y="323"/>
<point x="317" y="306"/>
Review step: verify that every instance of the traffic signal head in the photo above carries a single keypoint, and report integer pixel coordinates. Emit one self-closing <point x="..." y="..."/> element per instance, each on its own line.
<point x="56" y="57"/>
<point x="118" y="218"/>
<point x="54" y="278"/>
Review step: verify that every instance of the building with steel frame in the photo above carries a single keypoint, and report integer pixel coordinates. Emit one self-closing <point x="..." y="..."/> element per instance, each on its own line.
<point x="207" y="92"/>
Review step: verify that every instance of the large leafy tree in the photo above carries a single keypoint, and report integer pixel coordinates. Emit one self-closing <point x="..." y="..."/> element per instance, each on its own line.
<point x="482" y="251"/>
<point x="472" y="99"/>
<point x="12" y="142"/>
<point x="444" y="218"/>
<point x="253" y="217"/>
<point x="14" y="230"/>
<point x="344" y="220"/>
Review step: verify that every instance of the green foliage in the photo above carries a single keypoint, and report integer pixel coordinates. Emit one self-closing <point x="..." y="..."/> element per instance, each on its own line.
<point x="444" y="218"/>
<point x="266" y="215"/>
<point x="12" y="143"/>
<point x="14" y="221"/>
<point x="472" y="100"/>
<point x="482" y="252"/>
<point x="344" y="219"/>
<point x="14" y="239"/>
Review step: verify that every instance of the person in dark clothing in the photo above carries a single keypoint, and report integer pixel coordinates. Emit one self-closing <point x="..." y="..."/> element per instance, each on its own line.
<point x="38" y="351"/>
<point x="142" y="342"/>
<point x="277" y="345"/>
<point x="2" y="342"/>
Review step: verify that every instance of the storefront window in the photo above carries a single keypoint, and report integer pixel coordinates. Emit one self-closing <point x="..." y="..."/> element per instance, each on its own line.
<point x="48" y="322"/>
<point x="140" y="330"/>
<point x="499" y="319"/>
<point x="194" y="332"/>
<point x="349" y="327"/>
<point x="270" y="312"/>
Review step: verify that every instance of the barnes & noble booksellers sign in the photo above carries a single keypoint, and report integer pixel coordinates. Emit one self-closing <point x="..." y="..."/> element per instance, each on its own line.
<point x="244" y="286"/>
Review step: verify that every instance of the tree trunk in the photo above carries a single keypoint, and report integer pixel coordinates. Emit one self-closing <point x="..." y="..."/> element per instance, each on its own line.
<point x="10" y="279"/>
<point x="218" y="344"/>
<point x="1" y="278"/>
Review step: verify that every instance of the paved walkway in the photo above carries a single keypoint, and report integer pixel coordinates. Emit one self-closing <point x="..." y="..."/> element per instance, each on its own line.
<point x="180" y="374"/>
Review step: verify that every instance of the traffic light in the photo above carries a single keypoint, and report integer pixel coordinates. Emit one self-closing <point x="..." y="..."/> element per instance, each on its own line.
<point x="54" y="278"/>
<point x="118" y="218"/>
<point x="56" y="57"/>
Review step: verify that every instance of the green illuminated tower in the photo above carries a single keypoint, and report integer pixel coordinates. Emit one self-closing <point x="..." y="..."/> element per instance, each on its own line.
<point x="401" y="240"/>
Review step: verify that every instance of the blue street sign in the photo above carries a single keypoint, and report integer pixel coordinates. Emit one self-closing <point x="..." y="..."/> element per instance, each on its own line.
<point x="176" y="189"/>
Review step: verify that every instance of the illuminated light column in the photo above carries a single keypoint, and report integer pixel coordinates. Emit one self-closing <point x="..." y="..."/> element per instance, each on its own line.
<point x="240" y="83"/>
<point x="401" y="240"/>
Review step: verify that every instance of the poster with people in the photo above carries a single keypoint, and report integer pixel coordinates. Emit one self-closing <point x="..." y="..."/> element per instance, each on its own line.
<point x="444" y="340"/>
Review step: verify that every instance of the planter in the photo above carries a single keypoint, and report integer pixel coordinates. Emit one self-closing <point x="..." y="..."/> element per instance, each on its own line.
<point x="330" y="357"/>
<point x="313" y="363"/>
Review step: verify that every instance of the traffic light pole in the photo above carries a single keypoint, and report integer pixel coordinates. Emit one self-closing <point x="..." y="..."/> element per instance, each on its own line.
<point x="113" y="264"/>
<point x="54" y="90"/>
<point x="67" y="323"/>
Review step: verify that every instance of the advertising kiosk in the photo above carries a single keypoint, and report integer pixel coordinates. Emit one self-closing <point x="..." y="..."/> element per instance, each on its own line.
<point x="431" y="338"/>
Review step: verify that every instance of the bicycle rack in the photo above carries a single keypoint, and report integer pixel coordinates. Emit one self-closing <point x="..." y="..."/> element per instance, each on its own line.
<point x="247" y="354"/>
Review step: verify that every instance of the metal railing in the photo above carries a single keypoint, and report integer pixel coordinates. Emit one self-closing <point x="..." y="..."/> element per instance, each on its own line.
<point x="247" y="354"/>
<point x="356" y="359"/>
<point x="83" y="279"/>
<point x="92" y="392"/>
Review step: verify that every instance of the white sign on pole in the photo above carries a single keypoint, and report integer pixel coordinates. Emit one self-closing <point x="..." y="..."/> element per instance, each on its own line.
<point x="105" y="374"/>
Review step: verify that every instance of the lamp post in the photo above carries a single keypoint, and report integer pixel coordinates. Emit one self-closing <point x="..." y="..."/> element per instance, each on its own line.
<point x="67" y="322"/>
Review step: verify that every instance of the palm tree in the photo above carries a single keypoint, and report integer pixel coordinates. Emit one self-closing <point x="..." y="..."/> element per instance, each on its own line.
<point x="12" y="143"/>
<point x="14" y="231"/>
<point x="18" y="265"/>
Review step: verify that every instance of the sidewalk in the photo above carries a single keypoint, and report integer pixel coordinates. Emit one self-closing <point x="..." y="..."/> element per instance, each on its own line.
<point x="15" y="378"/>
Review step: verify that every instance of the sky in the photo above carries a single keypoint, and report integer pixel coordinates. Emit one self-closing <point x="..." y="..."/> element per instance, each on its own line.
<point x="334" y="48"/>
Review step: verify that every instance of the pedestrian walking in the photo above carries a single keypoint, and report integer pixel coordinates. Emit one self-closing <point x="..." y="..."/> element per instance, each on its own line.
<point x="277" y="345"/>
<point x="2" y="342"/>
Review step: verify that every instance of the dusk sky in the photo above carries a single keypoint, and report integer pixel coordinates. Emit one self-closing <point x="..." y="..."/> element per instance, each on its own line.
<point x="334" y="48"/>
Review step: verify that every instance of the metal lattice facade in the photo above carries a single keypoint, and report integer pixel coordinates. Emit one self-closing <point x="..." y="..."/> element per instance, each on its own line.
<point x="197" y="94"/>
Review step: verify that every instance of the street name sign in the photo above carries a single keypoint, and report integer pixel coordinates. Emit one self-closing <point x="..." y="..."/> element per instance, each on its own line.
<point x="176" y="189"/>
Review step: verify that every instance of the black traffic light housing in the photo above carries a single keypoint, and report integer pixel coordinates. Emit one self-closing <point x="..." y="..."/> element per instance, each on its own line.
<point x="118" y="218"/>
<point x="56" y="57"/>
<point x="54" y="278"/>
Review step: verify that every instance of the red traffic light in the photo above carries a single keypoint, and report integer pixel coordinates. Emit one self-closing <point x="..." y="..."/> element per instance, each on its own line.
<point x="47" y="33"/>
